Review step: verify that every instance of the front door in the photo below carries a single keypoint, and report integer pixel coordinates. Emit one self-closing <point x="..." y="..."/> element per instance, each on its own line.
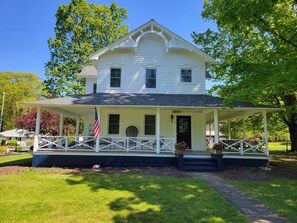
<point x="183" y="129"/>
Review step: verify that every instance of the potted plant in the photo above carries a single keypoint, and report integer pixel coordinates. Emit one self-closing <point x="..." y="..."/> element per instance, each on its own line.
<point x="218" y="147"/>
<point x="180" y="147"/>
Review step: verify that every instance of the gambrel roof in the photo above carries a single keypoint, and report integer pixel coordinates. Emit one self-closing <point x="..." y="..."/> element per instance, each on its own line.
<point x="172" y="42"/>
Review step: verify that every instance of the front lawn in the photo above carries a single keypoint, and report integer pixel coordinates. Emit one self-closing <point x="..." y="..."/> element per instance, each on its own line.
<point x="276" y="188"/>
<point x="278" y="194"/>
<point x="279" y="146"/>
<point x="61" y="195"/>
<point x="20" y="160"/>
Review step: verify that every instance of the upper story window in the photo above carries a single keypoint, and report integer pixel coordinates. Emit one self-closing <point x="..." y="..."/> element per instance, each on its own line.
<point x="186" y="75"/>
<point x="115" y="77"/>
<point x="95" y="88"/>
<point x="114" y="124"/>
<point x="150" y="81"/>
<point x="150" y="125"/>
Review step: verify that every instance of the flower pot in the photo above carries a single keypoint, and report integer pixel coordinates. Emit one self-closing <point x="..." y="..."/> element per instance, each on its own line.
<point x="180" y="151"/>
<point x="219" y="152"/>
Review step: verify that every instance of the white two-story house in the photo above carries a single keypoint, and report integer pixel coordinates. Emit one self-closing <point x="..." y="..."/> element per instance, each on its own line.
<point x="148" y="89"/>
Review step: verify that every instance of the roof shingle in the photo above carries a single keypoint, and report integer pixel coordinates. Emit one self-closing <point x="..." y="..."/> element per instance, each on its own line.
<point x="150" y="100"/>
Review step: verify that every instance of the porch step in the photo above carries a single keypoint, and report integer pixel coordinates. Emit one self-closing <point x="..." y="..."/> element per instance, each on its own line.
<point x="199" y="165"/>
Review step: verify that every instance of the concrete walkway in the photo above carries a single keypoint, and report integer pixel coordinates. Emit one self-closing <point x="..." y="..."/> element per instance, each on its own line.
<point x="255" y="211"/>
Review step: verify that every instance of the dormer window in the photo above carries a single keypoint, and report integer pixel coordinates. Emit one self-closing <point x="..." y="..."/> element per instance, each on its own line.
<point x="150" y="81"/>
<point x="115" y="77"/>
<point x="186" y="75"/>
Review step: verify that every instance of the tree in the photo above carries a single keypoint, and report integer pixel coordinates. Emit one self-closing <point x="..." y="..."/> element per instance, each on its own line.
<point x="81" y="29"/>
<point x="18" y="88"/>
<point x="255" y="49"/>
<point x="49" y="123"/>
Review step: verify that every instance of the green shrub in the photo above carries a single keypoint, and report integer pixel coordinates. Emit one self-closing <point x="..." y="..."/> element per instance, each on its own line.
<point x="2" y="149"/>
<point x="12" y="142"/>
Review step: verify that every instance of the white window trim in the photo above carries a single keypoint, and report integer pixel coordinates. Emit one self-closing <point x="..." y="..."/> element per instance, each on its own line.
<point x="115" y="67"/>
<point x="144" y="124"/>
<point x="180" y="76"/>
<point x="151" y="68"/>
<point x="113" y="134"/>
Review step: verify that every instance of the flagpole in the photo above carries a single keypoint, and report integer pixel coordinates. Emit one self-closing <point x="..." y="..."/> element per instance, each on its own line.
<point x="2" y="108"/>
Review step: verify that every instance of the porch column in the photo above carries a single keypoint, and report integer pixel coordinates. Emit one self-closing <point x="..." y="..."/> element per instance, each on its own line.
<point x="209" y="132"/>
<point x="86" y="129"/>
<point x="158" y="130"/>
<point x="229" y="129"/>
<point x="243" y="126"/>
<point x="37" y="129"/>
<point x="216" y="126"/>
<point x="97" y="139"/>
<point x="265" y="133"/>
<point x="77" y="129"/>
<point x="61" y="124"/>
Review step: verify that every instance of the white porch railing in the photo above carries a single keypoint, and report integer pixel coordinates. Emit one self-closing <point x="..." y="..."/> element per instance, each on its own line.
<point x="244" y="147"/>
<point x="106" y="144"/>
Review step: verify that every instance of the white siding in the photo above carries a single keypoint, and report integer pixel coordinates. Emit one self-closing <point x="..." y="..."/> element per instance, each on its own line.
<point x="198" y="132"/>
<point x="89" y="85"/>
<point x="135" y="117"/>
<point x="151" y="53"/>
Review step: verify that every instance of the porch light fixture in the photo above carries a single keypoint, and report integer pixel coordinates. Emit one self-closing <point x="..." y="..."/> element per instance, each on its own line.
<point x="171" y="117"/>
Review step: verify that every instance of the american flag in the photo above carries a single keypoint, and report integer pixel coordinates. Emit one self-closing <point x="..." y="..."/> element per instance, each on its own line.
<point x="96" y="125"/>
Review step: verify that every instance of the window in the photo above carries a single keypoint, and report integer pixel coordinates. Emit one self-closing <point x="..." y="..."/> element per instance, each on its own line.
<point x="115" y="77"/>
<point x="150" y="125"/>
<point x="114" y="124"/>
<point x="94" y="88"/>
<point x="150" y="78"/>
<point x="186" y="75"/>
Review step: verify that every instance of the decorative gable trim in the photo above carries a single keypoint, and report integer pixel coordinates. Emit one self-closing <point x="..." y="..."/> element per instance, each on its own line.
<point x="171" y="40"/>
<point x="148" y="32"/>
<point x="128" y="43"/>
<point x="116" y="65"/>
<point x="177" y="45"/>
<point x="186" y="66"/>
<point x="152" y="65"/>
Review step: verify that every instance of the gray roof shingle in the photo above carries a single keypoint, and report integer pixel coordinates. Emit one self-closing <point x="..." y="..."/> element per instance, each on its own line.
<point x="150" y="100"/>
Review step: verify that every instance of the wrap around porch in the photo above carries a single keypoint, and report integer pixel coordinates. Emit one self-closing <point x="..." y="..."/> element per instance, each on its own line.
<point x="158" y="122"/>
<point x="142" y="144"/>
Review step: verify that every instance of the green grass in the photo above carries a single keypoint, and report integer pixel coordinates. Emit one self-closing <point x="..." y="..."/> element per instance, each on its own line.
<point x="278" y="146"/>
<point x="45" y="196"/>
<point x="281" y="159"/>
<point x="21" y="160"/>
<point x="278" y="194"/>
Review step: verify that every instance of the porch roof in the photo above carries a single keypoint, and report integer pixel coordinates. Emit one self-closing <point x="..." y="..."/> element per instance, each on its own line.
<point x="80" y="106"/>
<point x="146" y="100"/>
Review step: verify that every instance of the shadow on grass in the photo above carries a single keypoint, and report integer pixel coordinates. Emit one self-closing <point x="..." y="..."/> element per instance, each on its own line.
<point x="19" y="162"/>
<point x="141" y="198"/>
<point x="282" y="159"/>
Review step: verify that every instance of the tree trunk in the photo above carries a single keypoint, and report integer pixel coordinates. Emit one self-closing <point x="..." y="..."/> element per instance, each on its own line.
<point x="293" y="138"/>
<point x="290" y="102"/>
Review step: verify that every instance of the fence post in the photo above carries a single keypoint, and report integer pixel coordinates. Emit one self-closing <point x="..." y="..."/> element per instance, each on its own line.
<point x="241" y="147"/>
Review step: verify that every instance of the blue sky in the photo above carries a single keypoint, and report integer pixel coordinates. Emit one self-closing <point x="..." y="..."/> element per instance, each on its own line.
<point x="26" y="25"/>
